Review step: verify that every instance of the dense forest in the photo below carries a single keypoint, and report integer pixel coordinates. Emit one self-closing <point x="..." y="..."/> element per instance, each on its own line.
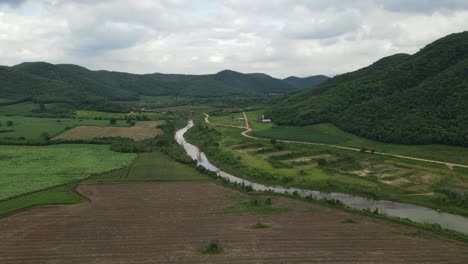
<point x="65" y="83"/>
<point x="306" y="82"/>
<point x="409" y="99"/>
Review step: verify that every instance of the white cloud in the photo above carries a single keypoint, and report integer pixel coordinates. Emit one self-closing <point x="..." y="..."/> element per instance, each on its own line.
<point x="278" y="37"/>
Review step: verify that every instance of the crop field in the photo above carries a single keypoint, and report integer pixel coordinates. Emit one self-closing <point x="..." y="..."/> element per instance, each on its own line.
<point x="27" y="168"/>
<point x="186" y="108"/>
<point x="234" y="119"/>
<point x="32" y="128"/>
<point x="329" y="134"/>
<point x="151" y="167"/>
<point x="85" y="114"/>
<point x="140" y="131"/>
<point x="171" y="222"/>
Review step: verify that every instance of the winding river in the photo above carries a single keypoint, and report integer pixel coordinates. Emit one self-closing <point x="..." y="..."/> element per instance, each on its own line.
<point x="413" y="212"/>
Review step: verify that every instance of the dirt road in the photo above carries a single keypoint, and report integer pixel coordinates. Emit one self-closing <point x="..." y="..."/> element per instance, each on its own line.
<point x="248" y="129"/>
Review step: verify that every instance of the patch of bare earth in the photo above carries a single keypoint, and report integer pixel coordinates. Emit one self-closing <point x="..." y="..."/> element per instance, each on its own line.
<point x="140" y="131"/>
<point x="169" y="222"/>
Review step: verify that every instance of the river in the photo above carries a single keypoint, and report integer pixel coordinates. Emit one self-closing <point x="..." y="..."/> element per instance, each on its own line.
<point x="413" y="212"/>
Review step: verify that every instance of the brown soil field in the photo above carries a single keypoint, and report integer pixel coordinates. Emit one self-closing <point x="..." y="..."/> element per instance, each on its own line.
<point x="169" y="222"/>
<point x="140" y="131"/>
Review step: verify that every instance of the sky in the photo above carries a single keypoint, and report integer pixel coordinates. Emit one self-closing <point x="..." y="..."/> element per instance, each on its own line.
<point x="277" y="37"/>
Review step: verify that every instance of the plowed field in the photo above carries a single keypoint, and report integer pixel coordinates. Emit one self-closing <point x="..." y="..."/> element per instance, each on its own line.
<point x="169" y="222"/>
<point x="140" y="131"/>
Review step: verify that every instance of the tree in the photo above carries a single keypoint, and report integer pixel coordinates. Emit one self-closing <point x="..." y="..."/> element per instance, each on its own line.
<point x="9" y="123"/>
<point x="45" y="136"/>
<point x="112" y="121"/>
<point x="42" y="107"/>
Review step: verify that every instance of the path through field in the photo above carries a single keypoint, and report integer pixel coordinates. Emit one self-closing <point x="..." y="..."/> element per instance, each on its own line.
<point x="169" y="222"/>
<point x="248" y="129"/>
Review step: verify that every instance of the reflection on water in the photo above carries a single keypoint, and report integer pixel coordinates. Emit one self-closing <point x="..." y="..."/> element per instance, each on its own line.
<point x="413" y="212"/>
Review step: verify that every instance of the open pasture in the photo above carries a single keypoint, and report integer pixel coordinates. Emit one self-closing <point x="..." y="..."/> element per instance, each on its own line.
<point x="140" y="131"/>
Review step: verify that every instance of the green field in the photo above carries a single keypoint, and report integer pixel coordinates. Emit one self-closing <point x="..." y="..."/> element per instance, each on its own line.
<point x="155" y="100"/>
<point x="334" y="170"/>
<point x="57" y="195"/>
<point x="32" y="128"/>
<point x="151" y="167"/>
<point x="27" y="168"/>
<point x="18" y="109"/>
<point x="329" y="134"/>
<point x="84" y="114"/>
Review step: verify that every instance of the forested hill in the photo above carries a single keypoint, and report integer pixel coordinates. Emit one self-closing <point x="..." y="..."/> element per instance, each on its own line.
<point x="410" y="99"/>
<point x="45" y="82"/>
<point x="306" y="82"/>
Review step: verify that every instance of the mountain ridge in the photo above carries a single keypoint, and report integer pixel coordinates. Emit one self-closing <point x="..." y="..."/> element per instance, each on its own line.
<point x="408" y="99"/>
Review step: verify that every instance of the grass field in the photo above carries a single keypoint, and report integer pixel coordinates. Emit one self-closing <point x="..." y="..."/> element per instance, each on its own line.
<point x="32" y="128"/>
<point x="140" y="131"/>
<point x="151" y="167"/>
<point x="26" y="168"/>
<point x="18" y="109"/>
<point x="155" y="100"/>
<point x="57" y="195"/>
<point x="336" y="170"/>
<point x="85" y="114"/>
<point x="329" y="134"/>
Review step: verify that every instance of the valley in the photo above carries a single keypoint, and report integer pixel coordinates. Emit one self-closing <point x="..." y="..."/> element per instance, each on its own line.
<point x="114" y="167"/>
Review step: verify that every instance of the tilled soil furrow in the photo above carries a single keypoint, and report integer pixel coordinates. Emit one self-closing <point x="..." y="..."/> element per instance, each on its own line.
<point x="169" y="222"/>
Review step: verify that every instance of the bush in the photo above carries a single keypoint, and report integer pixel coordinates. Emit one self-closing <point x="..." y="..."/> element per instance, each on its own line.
<point x="45" y="136"/>
<point x="212" y="248"/>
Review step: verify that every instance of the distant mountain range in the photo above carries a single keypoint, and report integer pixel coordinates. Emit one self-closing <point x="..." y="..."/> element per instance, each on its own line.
<point x="72" y="84"/>
<point x="417" y="99"/>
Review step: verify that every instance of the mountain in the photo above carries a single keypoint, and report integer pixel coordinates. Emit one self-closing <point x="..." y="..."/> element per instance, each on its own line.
<point x="43" y="81"/>
<point x="410" y="99"/>
<point x="306" y="82"/>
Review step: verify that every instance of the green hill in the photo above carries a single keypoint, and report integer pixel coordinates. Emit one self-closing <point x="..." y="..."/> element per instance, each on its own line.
<point x="38" y="79"/>
<point x="306" y="82"/>
<point x="410" y="99"/>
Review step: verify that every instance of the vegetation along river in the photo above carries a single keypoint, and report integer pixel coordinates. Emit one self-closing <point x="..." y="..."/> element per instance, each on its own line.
<point x="413" y="212"/>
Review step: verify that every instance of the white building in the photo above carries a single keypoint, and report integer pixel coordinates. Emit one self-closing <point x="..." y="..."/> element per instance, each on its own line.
<point x="265" y="120"/>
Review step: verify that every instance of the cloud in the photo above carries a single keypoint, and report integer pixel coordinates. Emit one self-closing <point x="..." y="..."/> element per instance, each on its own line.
<point x="422" y="6"/>
<point x="279" y="37"/>
<point x="13" y="3"/>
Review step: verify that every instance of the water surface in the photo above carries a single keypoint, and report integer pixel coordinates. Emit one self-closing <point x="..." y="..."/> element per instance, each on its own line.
<point x="413" y="212"/>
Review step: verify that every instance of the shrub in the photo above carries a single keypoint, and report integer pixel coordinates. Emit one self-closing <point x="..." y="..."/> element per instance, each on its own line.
<point x="260" y="225"/>
<point x="212" y="248"/>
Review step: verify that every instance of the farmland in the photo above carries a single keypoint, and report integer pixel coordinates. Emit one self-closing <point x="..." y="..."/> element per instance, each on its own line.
<point x="170" y="222"/>
<point x="140" y="131"/>
<point x="151" y="167"/>
<point x="27" y="168"/>
<point x="32" y="128"/>
<point x="329" y="134"/>
<point x="85" y="114"/>
<point x="333" y="170"/>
